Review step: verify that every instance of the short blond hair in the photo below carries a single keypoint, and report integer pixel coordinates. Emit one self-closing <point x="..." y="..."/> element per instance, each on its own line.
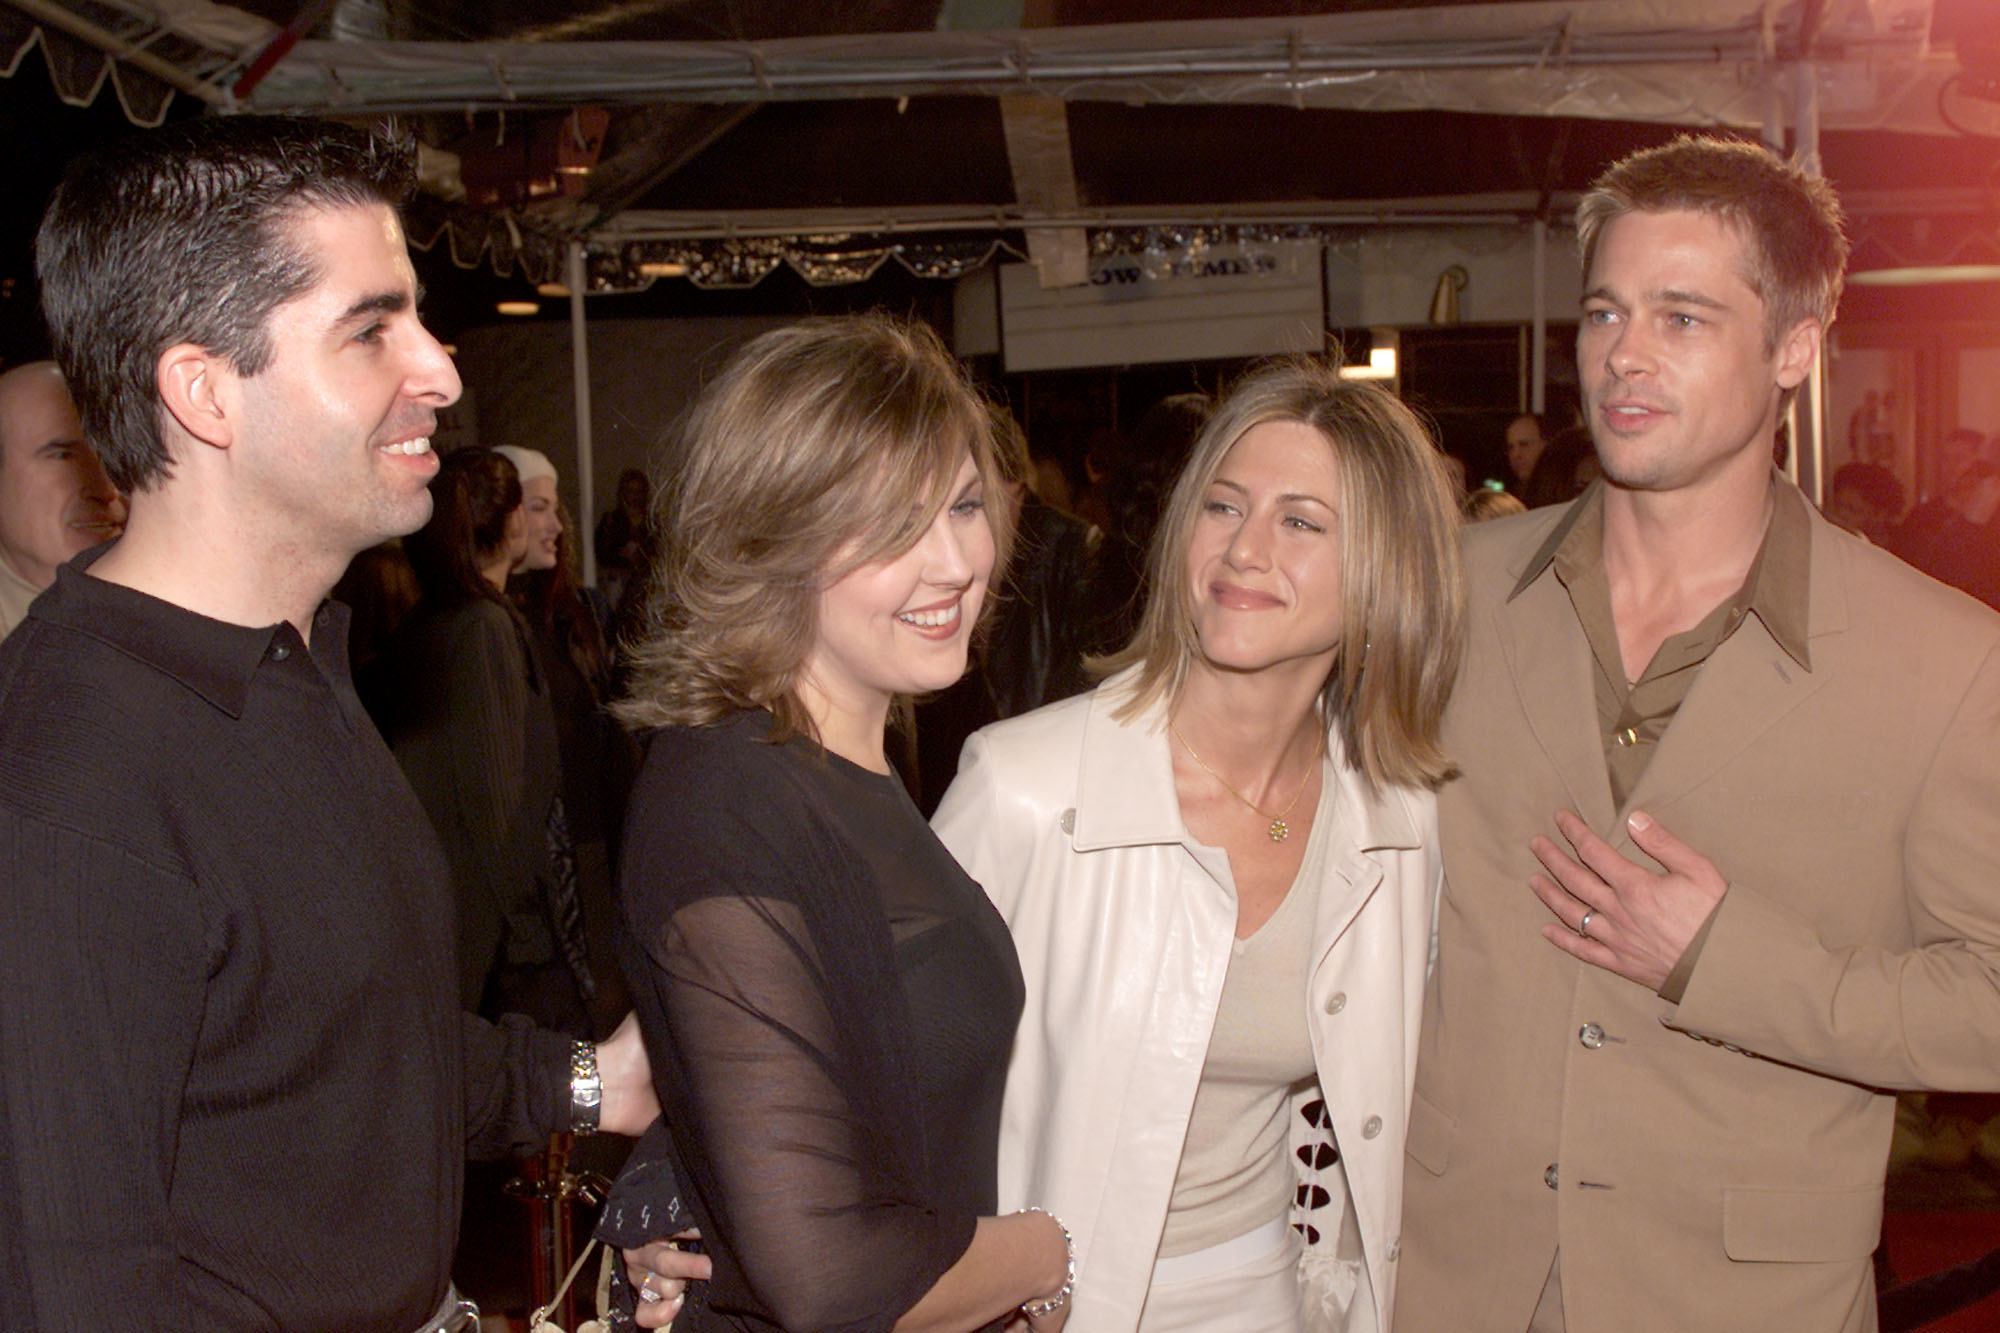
<point x="1790" y="221"/>
<point x="1404" y="599"/>
<point x="821" y="447"/>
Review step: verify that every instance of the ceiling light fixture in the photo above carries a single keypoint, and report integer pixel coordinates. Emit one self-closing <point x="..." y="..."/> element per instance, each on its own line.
<point x="1922" y="275"/>
<point x="1381" y="365"/>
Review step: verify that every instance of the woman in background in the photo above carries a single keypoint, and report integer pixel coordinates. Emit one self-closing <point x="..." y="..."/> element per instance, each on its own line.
<point x="461" y="702"/>
<point x="1220" y="870"/>
<point x="625" y="539"/>
<point x="566" y="637"/>
<point x="827" y="999"/>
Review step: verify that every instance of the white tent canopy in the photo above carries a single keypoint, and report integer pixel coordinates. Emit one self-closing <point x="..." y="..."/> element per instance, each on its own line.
<point x="1695" y="62"/>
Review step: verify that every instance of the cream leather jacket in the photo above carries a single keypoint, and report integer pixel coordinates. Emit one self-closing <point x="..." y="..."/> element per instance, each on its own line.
<point x="1069" y="820"/>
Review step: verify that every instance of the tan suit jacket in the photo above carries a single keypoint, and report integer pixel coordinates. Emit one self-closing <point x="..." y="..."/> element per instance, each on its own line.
<point x="1717" y="1164"/>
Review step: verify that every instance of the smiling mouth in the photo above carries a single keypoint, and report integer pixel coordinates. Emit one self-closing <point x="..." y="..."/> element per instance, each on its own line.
<point x="934" y="619"/>
<point x="1235" y="597"/>
<point x="420" y="445"/>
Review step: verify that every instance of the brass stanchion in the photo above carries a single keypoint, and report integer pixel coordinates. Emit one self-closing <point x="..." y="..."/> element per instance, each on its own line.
<point x="551" y="1191"/>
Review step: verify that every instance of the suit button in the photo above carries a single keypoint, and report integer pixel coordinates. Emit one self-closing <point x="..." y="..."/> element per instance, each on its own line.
<point x="1372" y="1127"/>
<point x="279" y="652"/>
<point x="1069" y="820"/>
<point x="1395" y="1250"/>
<point x="1591" y="1035"/>
<point x="1550" y="1178"/>
<point x="1336" y="1002"/>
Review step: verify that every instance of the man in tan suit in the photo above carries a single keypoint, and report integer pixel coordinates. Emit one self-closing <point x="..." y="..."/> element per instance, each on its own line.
<point x="1651" y="1092"/>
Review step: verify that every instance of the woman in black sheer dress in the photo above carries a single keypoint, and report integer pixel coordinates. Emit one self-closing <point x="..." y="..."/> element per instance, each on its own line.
<point x="828" y="999"/>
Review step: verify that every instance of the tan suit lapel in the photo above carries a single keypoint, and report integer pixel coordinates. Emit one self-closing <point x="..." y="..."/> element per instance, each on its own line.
<point x="1549" y="663"/>
<point x="1744" y="689"/>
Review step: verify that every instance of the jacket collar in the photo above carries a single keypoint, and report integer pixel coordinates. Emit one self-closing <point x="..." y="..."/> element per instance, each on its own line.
<point x="1125" y="785"/>
<point x="217" y="661"/>
<point x="1789" y="577"/>
<point x="1735" y="702"/>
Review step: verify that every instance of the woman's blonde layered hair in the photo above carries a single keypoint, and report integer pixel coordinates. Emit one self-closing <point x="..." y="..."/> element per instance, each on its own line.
<point x="1404" y="623"/>
<point x="821" y="447"/>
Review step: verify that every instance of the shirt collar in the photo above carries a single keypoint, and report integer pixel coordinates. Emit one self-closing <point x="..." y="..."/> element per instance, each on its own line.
<point x="218" y="661"/>
<point x="1125" y="788"/>
<point x="1780" y="579"/>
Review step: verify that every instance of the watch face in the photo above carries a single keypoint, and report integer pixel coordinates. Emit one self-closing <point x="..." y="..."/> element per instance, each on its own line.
<point x="586" y="1088"/>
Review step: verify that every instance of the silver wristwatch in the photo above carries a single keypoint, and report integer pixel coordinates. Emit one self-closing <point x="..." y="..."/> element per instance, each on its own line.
<point x="586" y="1089"/>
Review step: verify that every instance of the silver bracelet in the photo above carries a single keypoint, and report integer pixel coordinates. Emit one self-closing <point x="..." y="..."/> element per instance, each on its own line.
<point x="1049" y="1305"/>
<point x="586" y="1089"/>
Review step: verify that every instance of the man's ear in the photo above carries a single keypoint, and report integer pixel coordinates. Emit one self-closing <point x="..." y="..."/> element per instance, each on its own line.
<point x="194" y="387"/>
<point x="1797" y="350"/>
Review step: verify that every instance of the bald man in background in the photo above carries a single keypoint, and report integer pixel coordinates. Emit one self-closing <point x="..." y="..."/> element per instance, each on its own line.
<point x="55" y="500"/>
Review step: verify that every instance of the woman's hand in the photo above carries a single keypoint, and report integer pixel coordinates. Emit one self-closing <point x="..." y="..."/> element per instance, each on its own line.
<point x="1060" y="1256"/>
<point x="660" y="1273"/>
<point x="1051" y="1322"/>
<point x="629" y="1101"/>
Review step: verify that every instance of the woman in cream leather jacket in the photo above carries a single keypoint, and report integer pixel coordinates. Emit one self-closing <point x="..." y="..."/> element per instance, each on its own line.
<point x="1221" y="869"/>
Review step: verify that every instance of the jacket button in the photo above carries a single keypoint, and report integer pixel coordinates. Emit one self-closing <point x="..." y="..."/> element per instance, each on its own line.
<point x="1550" y="1178"/>
<point x="1372" y="1127"/>
<point x="1069" y="820"/>
<point x="1395" y="1250"/>
<point x="279" y="652"/>
<point x="1336" y="1002"/>
<point x="1591" y="1035"/>
<point x="1628" y="737"/>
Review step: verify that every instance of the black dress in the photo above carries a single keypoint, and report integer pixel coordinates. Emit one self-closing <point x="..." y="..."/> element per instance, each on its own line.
<point x="460" y="702"/>
<point x="828" y="1003"/>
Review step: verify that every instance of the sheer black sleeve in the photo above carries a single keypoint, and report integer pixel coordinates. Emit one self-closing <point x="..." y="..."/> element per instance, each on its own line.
<point x="762" y="965"/>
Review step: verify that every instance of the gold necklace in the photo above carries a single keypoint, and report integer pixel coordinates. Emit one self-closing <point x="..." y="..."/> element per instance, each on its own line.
<point x="1279" y="830"/>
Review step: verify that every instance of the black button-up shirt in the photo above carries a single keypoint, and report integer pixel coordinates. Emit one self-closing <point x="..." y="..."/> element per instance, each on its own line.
<point x="236" y="1089"/>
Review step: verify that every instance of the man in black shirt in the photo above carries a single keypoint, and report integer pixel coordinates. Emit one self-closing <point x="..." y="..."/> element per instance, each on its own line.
<point x="236" y="1090"/>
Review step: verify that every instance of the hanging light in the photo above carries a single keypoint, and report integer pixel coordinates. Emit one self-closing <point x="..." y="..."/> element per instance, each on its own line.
<point x="1381" y="363"/>
<point x="1923" y="275"/>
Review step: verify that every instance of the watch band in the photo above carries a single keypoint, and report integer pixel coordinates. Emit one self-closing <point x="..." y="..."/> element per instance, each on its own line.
<point x="586" y="1089"/>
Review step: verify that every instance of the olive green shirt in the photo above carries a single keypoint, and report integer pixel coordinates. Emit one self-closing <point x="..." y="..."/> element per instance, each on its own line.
<point x="1633" y="714"/>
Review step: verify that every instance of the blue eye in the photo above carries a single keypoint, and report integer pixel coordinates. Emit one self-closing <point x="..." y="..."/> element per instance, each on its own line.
<point x="971" y="504"/>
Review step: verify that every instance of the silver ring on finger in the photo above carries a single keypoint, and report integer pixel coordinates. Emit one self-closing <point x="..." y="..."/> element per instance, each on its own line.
<point x="646" y="1292"/>
<point x="1583" y="926"/>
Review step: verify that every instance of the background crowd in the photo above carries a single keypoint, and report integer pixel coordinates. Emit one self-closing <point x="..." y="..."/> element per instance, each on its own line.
<point x="1286" y="906"/>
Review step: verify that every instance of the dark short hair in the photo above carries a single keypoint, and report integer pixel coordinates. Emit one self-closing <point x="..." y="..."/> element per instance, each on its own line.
<point x="180" y="235"/>
<point x="1790" y="221"/>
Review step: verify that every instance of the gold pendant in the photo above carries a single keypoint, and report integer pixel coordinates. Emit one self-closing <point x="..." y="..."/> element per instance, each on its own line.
<point x="1280" y="830"/>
